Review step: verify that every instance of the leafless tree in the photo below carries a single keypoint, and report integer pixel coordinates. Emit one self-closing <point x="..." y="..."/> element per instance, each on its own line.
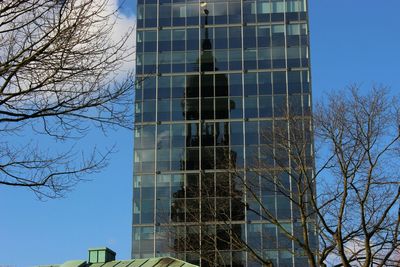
<point x="357" y="205"/>
<point x="59" y="76"/>
<point x="355" y="210"/>
<point x="336" y="207"/>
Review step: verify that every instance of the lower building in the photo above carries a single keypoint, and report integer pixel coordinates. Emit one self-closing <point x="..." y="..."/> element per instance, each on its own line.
<point x="105" y="257"/>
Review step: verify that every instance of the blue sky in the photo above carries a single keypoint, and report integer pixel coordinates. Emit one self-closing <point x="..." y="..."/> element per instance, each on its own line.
<point x="352" y="41"/>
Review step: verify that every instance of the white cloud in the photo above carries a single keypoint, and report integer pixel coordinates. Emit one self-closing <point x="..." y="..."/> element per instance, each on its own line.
<point x="123" y="25"/>
<point x="355" y="250"/>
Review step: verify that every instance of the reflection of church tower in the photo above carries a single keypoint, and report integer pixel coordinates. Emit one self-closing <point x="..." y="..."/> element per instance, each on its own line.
<point x="218" y="199"/>
<point x="214" y="102"/>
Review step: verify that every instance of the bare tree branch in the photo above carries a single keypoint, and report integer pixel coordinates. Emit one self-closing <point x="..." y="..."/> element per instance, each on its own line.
<point x="61" y="73"/>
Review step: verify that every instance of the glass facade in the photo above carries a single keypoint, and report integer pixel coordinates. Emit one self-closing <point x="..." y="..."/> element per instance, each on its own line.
<point x="217" y="76"/>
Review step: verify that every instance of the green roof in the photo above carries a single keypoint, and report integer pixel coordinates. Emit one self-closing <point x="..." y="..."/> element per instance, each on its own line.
<point x="152" y="262"/>
<point x="105" y="257"/>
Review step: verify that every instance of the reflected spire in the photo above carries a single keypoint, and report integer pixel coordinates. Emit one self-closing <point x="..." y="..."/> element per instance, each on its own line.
<point x="207" y="57"/>
<point x="206" y="43"/>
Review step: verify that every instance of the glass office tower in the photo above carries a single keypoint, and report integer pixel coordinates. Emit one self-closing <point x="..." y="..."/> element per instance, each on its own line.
<point x="218" y="75"/>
